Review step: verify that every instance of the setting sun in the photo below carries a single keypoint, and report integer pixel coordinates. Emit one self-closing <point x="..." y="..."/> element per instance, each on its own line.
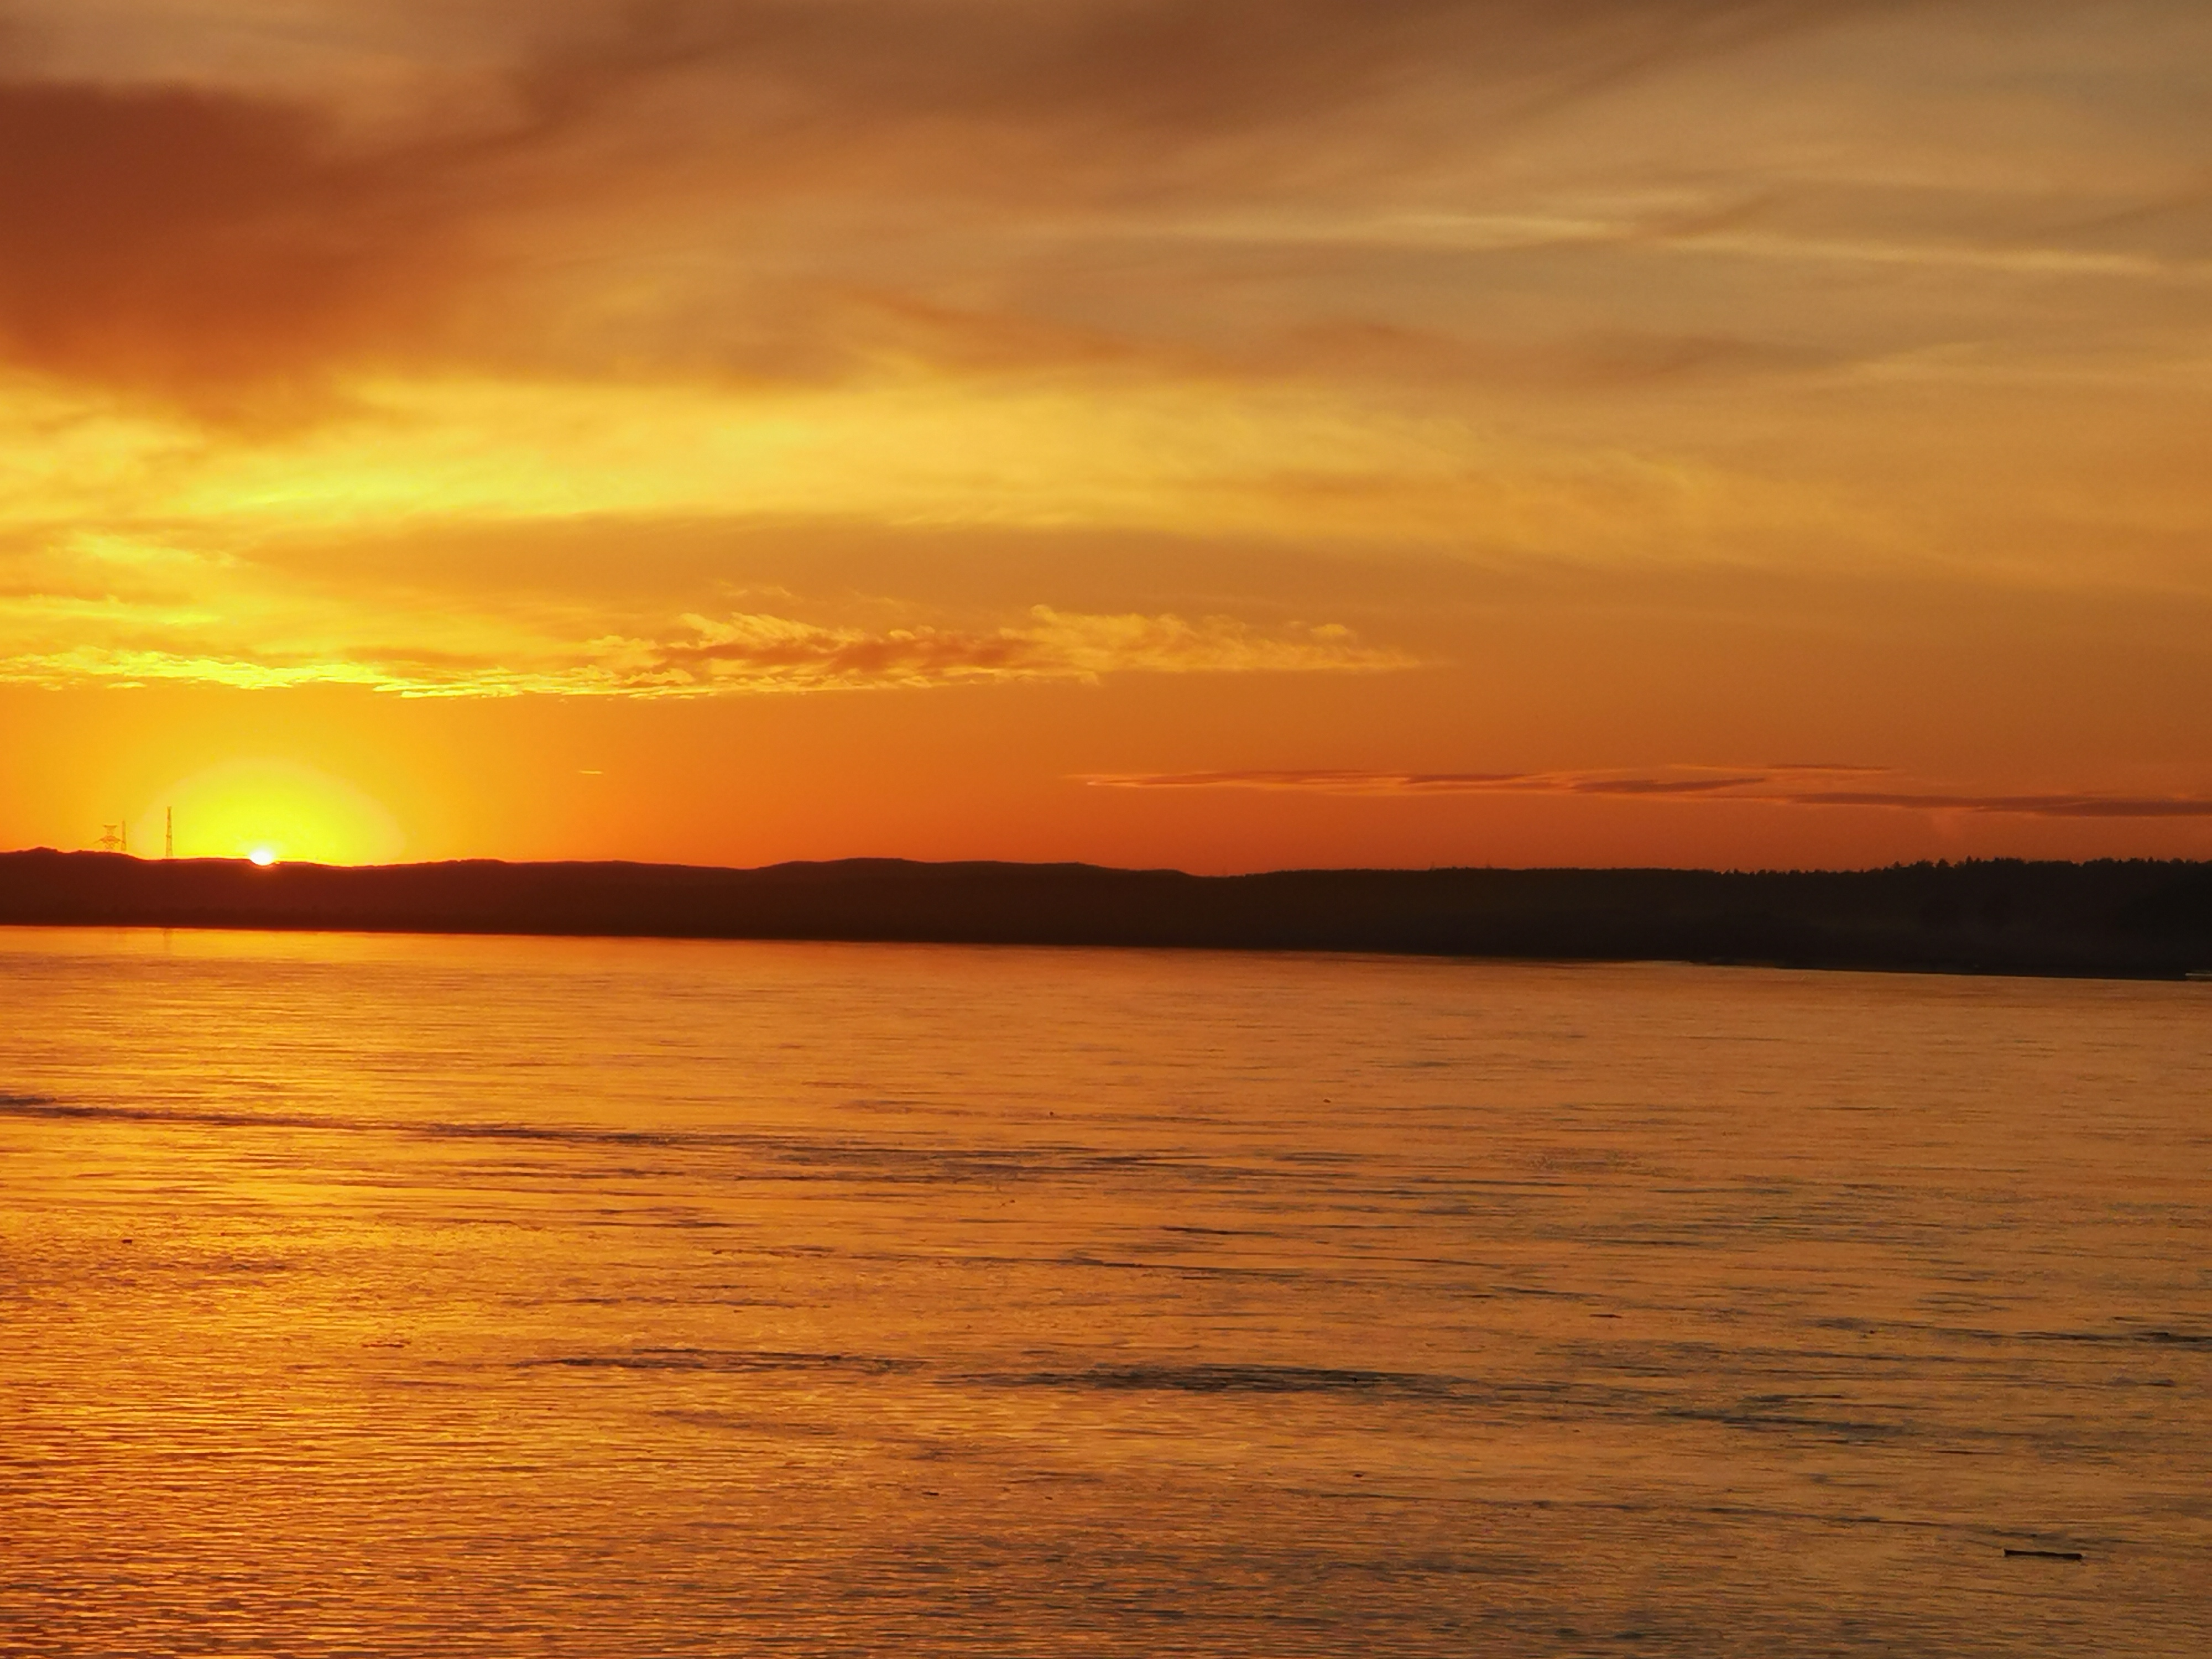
<point x="1231" y="826"/>
<point x="271" y="809"/>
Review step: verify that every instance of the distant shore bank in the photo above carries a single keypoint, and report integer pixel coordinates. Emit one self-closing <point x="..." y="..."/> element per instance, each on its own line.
<point x="2139" y="918"/>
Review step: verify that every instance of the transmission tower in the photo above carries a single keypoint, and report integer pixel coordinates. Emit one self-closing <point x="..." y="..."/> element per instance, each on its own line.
<point x="114" y="838"/>
<point x="169" y="833"/>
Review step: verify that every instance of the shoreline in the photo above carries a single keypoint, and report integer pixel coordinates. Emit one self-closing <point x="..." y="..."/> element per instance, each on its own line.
<point x="2133" y="920"/>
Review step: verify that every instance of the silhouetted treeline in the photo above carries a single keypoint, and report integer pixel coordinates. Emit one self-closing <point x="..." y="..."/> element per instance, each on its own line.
<point x="2136" y="919"/>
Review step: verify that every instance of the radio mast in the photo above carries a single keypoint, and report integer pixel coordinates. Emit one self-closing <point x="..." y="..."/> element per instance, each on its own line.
<point x="169" y="833"/>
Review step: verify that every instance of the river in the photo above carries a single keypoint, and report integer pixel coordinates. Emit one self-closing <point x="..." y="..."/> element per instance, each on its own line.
<point x="387" y="1295"/>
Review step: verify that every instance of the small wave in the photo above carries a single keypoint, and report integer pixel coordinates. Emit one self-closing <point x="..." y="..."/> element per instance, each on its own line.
<point x="1173" y="1379"/>
<point x="42" y="1106"/>
<point x="2158" y="1337"/>
<point x="1234" y="1379"/>
<point x="1793" y="1423"/>
<point x="790" y="1156"/>
<point x="737" y="1362"/>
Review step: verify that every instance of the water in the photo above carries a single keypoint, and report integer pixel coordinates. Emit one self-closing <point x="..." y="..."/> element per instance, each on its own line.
<point x="396" y="1296"/>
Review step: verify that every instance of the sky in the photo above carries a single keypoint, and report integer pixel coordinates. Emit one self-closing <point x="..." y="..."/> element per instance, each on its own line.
<point x="1218" y="434"/>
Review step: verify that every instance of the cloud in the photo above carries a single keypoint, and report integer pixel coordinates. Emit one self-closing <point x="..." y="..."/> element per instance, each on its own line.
<point x="747" y="653"/>
<point x="2037" y="806"/>
<point x="1779" y="785"/>
<point x="235" y="246"/>
<point x="1212" y="266"/>
<point x="200" y="243"/>
<point x="1118" y="71"/>
<point x="761" y="650"/>
<point x="1676" y="781"/>
<point x="1609" y="360"/>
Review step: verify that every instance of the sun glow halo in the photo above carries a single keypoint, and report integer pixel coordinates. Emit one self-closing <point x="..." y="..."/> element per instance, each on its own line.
<point x="272" y="811"/>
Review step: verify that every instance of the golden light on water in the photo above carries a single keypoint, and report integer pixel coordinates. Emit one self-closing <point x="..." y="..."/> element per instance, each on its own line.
<point x="553" y="1285"/>
<point x="272" y="811"/>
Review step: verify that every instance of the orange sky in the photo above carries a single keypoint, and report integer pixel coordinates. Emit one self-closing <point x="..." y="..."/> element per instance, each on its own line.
<point x="1214" y="433"/>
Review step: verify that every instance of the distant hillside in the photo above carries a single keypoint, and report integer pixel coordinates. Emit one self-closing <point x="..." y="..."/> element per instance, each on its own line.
<point x="2136" y="919"/>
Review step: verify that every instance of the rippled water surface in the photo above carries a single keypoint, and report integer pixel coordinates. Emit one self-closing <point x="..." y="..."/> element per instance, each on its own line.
<point x="489" y="1297"/>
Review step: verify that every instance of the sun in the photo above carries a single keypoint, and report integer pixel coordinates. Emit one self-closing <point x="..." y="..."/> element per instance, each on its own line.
<point x="272" y="811"/>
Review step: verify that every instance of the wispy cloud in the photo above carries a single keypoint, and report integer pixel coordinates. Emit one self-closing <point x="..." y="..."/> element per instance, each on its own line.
<point x="1672" y="780"/>
<point x="169" y="223"/>
<point x="748" y="652"/>
<point x="745" y="651"/>
<point x="1805" y="786"/>
<point x="210" y="245"/>
<point x="1674" y="355"/>
<point x="2037" y="806"/>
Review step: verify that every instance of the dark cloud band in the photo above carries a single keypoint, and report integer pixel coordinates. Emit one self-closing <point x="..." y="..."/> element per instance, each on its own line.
<point x="1777" y="786"/>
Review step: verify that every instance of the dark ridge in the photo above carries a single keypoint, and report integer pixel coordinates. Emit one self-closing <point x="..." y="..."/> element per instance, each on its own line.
<point x="2136" y="919"/>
